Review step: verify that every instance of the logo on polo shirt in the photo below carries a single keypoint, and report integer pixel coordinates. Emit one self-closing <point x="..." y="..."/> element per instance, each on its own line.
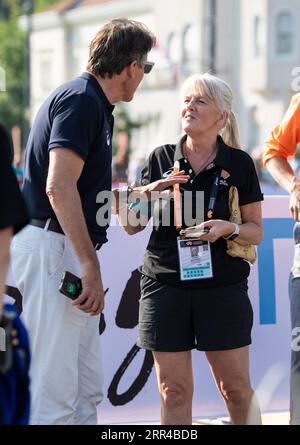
<point x="224" y="175"/>
<point x="223" y="182"/>
<point x="168" y="173"/>
<point x="210" y="166"/>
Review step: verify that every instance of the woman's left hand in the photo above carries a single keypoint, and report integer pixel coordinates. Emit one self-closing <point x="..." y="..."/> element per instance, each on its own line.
<point x="217" y="228"/>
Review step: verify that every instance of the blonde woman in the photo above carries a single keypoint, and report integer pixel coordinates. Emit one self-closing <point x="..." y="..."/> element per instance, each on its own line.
<point x="206" y="308"/>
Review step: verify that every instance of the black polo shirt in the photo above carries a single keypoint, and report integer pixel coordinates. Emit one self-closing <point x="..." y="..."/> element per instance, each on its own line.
<point x="13" y="210"/>
<point x="77" y="116"/>
<point x="161" y="257"/>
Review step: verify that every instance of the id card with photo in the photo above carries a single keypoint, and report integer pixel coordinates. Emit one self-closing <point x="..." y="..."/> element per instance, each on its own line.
<point x="194" y="259"/>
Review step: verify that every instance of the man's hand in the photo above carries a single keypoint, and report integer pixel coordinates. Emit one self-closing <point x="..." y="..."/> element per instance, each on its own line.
<point x="295" y="200"/>
<point x="91" y="299"/>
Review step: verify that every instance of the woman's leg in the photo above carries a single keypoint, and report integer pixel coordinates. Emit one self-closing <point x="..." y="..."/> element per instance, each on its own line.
<point x="175" y="384"/>
<point x="231" y="372"/>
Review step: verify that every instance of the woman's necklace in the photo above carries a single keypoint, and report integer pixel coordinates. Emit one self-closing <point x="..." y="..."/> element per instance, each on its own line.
<point x="198" y="167"/>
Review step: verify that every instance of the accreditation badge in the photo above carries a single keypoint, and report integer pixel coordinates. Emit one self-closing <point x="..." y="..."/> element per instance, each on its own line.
<point x="194" y="259"/>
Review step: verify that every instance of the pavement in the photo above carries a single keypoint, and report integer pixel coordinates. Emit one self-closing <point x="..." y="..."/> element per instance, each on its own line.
<point x="277" y="418"/>
<point x="274" y="418"/>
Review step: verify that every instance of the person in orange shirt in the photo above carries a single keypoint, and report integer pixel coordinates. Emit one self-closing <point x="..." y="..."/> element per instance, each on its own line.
<point x="282" y="145"/>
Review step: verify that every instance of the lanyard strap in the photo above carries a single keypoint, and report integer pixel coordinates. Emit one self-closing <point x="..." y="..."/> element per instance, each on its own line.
<point x="177" y="199"/>
<point x="213" y="194"/>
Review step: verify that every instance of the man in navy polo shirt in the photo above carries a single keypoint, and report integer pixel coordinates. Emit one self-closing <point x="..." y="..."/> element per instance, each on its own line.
<point x="68" y="162"/>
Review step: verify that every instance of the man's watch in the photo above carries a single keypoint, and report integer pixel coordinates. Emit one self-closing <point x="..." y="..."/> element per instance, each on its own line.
<point x="234" y="234"/>
<point x="125" y="191"/>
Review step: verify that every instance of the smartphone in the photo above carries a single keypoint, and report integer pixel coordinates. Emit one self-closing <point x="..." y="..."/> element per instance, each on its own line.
<point x="204" y="230"/>
<point x="70" y="285"/>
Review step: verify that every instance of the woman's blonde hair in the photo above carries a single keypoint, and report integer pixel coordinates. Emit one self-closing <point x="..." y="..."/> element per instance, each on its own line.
<point x="221" y="94"/>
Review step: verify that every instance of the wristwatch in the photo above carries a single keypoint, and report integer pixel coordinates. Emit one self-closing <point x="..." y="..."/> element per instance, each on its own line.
<point x="234" y="234"/>
<point x="126" y="190"/>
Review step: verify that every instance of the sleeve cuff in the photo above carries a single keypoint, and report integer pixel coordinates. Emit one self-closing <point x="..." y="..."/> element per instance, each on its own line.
<point x="70" y="146"/>
<point x="249" y="199"/>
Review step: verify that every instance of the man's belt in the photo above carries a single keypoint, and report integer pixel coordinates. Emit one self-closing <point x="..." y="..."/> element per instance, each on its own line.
<point x="47" y="224"/>
<point x="54" y="226"/>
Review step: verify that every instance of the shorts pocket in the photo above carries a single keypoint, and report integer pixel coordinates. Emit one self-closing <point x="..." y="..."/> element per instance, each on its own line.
<point x="149" y="286"/>
<point x="147" y="335"/>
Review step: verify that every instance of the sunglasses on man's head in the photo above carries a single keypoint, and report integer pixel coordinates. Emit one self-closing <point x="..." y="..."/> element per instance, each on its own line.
<point x="148" y="66"/>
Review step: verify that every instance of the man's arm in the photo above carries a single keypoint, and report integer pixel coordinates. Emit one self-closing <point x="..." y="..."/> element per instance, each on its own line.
<point x="126" y="215"/>
<point x="65" y="168"/>
<point x="283" y="173"/>
<point x="282" y="144"/>
<point x="285" y="136"/>
<point x="5" y="239"/>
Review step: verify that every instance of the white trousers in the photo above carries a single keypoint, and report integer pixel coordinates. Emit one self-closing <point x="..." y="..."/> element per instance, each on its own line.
<point x="66" y="369"/>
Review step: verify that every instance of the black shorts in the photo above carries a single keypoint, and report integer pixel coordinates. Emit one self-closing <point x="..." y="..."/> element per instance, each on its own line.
<point x="173" y="319"/>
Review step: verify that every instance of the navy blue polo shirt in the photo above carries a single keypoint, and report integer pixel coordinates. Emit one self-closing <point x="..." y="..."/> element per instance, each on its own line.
<point x="77" y="116"/>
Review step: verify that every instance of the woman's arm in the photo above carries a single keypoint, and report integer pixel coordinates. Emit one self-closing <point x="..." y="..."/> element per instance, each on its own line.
<point x="251" y="231"/>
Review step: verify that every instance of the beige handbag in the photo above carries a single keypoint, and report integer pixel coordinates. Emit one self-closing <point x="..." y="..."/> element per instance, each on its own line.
<point x="235" y="249"/>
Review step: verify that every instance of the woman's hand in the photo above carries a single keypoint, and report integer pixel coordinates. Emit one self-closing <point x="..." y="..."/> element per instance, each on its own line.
<point x="210" y="230"/>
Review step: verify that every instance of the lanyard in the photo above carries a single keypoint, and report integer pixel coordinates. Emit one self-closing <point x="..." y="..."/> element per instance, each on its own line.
<point x="177" y="197"/>
<point x="213" y="194"/>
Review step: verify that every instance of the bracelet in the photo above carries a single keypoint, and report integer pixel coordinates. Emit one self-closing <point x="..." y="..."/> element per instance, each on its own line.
<point x="234" y="234"/>
<point x="126" y="190"/>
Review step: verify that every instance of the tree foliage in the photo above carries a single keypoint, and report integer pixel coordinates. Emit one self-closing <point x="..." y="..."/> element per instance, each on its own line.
<point x="40" y="5"/>
<point x="12" y="58"/>
<point x="12" y="62"/>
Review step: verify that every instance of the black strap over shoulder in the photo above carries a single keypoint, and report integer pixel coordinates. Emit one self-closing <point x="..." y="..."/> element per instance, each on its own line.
<point x="214" y="193"/>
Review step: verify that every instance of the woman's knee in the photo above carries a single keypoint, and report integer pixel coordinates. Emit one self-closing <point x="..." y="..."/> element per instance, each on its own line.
<point x="175" y="394"/>
<point x="236" y="393"/>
